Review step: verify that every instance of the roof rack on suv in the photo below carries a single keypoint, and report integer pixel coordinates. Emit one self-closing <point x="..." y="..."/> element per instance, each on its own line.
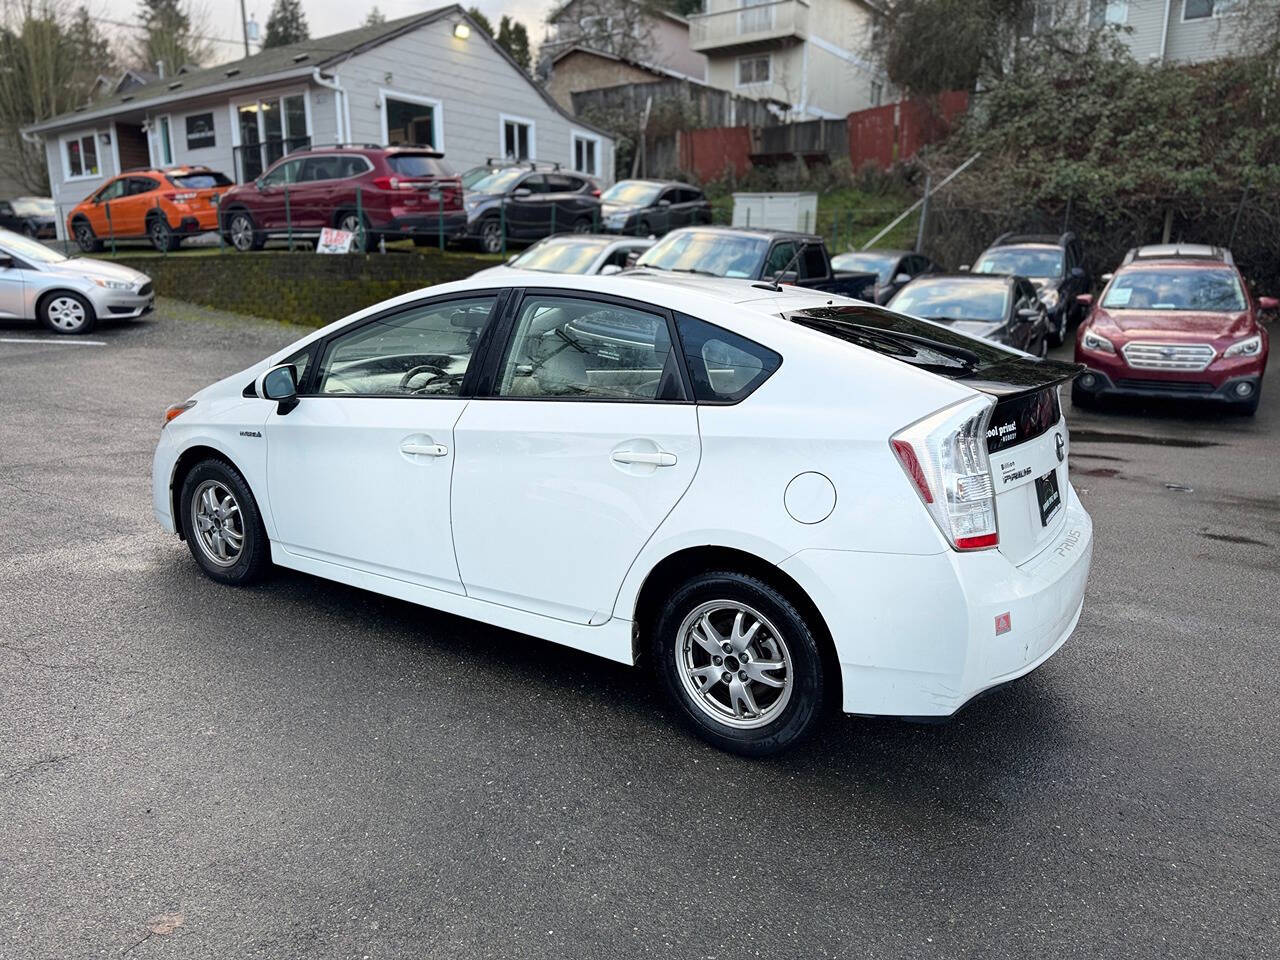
<point x="341" y="146"/>
<point x="1179" y="251"/>
<point x="1013" y="236"/>
<point x="531" y="164"/>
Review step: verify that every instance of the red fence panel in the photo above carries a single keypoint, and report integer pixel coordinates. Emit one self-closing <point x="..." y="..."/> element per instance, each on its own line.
<point x="711" y="152"/>
<point x="896" y="132"/>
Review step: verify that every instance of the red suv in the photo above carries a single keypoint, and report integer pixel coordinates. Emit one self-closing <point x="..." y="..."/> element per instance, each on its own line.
<point x="369" y="190"/>
<point x="1176" y="320"/>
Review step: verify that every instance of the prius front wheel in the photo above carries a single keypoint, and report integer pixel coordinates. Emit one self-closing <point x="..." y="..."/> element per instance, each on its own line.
<point x="221" y="523"/>
<point x="740" y="662"/>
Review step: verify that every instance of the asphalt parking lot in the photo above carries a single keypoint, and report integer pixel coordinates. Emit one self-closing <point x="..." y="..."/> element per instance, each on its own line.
<point x="302" y="769"/>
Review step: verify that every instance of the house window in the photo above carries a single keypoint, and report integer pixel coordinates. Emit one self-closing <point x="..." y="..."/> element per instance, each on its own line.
<point x="1203" y="9"/>
<point x="517" y="138"/>
<point x="410" y="123"/>
<point x="754" y="69"/>
<point x="877" y="93"/>
<point x="586" y="154"/>
<point x="165" y="143"/>
<point x="269" y="128"/>
<point x="200" y="135"/>
<point x="82" y="157"/>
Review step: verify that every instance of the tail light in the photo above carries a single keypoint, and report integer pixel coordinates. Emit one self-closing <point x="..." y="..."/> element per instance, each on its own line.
<point x="180" y="197"/>
<point x="391" y="183"/>
<point x="945" y="457"/>
<point x="595" y="191"/>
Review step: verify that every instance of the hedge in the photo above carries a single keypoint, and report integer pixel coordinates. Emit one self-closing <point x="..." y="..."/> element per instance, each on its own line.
<point x="304" y="288"/>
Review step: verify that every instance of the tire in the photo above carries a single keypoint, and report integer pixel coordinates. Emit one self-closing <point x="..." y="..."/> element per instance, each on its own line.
<point x="242" y="234"/>
<point x="644" y="229"/>
<point x="1058" y="333"/>
<point x="1082" y="398"/>
<point x="228" y="540"/>
<point x="491" y="235"/>
<point x="355" y="223"/>
<point x="29" y="231"/>
<point x="86" y="239"/>
<point x="718" y="711"/>
<point x="162" y="236"/>
<point x="582" y="225"/>
<point x="67" y="313"/>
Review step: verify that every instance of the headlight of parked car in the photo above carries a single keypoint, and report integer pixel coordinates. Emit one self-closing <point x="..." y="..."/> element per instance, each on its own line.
<point x="1049" y="297"/>
<point x="1249" y="347"/>
<point x="113" y="284"/>
<point x="1096" y="341"/>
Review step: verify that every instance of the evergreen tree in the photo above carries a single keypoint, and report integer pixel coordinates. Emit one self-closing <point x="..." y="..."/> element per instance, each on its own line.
<point x="171" y="36"/>
<point x="514" y="38"/>
<point x="481" y="20"/>
<point x="375" y="17"/>
<point x="287" y="24"/>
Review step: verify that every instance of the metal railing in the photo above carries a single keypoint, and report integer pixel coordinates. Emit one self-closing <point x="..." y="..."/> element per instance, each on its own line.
<point x="737" y="25"/>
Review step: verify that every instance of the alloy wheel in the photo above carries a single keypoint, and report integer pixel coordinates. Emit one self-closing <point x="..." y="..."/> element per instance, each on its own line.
<point x="351" y="223"/>
<point x="66" y="314"/>
<point x="160" y="235"/>
<point x="84" y="237"/>
<point x="217" y="523"/>
<point x="491" y="237"/>
<point x="241" y="232"/>
<point x="734" y="664"/>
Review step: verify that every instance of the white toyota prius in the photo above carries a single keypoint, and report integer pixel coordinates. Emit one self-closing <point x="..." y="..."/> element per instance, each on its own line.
<point x="779" y="499"/>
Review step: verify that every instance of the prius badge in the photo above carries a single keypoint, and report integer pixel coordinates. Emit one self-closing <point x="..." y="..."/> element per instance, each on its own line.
<point x="1062" y="446"/>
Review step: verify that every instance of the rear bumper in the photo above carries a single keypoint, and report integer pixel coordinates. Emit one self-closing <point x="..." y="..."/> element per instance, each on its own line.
<point x="426" y="225"/>
<point x="916" y="635"/>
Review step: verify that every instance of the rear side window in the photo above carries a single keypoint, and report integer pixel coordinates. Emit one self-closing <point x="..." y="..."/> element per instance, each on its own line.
<point x="723" y="367"/>
<point x="200" y="181"/>
<point x="814" y="263"/>
<point x="418" y="165"/>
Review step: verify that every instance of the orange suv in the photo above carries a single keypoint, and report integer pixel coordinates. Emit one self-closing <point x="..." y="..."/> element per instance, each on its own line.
<point x="162" y="206"/>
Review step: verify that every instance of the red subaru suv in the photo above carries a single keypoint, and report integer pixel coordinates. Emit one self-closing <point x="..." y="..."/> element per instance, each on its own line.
<point x="1176" y="320"/>
<point x="369" y="190"/>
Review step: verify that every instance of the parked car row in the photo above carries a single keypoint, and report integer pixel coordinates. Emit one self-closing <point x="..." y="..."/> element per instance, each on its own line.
<point x="33" y="217"/>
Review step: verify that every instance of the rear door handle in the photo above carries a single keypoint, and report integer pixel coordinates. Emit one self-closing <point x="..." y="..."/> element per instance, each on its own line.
<point x="424" y="449"/>
<point x="660" y="459"/>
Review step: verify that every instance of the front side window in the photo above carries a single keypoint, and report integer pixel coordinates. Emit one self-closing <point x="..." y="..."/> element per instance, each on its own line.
<point x="423" y="351"/>
<point x="1148" y="288"/>
<point x="113" y="190"/>
<point x="723" y="367"/>
<point x="582" y="349"/>
<point x="410" y="123"/>
<point x="516" y="139"/>
<point x="779" y="258"/>
<point x="289" y="172"/>
<point x="82" y="156"/>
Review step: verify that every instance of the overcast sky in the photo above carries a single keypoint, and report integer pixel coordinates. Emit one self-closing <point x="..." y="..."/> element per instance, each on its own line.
<point x="327" y="16"/>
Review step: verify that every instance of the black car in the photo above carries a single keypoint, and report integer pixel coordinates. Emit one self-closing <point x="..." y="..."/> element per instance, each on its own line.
<point x="753" y="253"/>
<point x="644" y="207"/>
<point x="893" y="268"/>
<point x="33" y="217"/>
<point x="999" y="308"/>
<point x="1054" y="264"/>
<point x="528" y="203"/>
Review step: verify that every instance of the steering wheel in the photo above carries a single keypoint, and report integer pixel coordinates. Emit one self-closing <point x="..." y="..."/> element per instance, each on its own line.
<point x="437" y="373"/>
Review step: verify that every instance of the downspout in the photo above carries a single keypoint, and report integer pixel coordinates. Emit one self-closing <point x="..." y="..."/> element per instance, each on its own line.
<point x="339" y="95"/>
<point x="1164" y="30"/>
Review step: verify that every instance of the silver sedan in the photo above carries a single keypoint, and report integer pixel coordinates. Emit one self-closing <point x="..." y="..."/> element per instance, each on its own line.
<point x="67" y="295"/>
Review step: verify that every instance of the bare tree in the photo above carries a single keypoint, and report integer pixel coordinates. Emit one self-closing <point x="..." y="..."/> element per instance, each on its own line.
<point x="50" y="56"/>
<point x="623" y="28"/>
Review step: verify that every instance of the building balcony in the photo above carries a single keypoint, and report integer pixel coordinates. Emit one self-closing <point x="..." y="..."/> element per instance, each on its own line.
<point x="746" y="26"/>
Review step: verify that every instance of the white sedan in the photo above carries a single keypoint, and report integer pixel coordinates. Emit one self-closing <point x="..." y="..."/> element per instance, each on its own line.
<point x="778" y="499"/>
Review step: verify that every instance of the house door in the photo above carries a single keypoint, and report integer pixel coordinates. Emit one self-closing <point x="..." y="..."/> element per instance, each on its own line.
<point x="131" y="141"/>
<point x="269" y="128"/>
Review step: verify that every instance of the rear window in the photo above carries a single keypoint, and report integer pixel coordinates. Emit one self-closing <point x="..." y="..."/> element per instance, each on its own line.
<point x="418" y="165"/>
<point x="199" y="181"/>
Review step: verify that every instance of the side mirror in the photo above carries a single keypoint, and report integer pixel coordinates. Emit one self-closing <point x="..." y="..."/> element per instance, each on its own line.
<point x="1106" y="277"/>
<point x="6" y="262"/>
<point x="1028" y="314"/>
<point x="790" y="276"/>
<point x="1085" y="299"/>
<point x="609" y="269"/>
<point x="664" y="202"/>
<point x="902" y="278"/>
<point x="279" y="384"/>
<point x="521" y="192"/>
<point x="1077" y="273"/>
<point x="963" y="268"/>
<point x="1268" y="303"/>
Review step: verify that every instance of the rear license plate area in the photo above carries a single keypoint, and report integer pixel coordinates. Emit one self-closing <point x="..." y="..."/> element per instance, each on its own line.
<point x="1048" y="496"/>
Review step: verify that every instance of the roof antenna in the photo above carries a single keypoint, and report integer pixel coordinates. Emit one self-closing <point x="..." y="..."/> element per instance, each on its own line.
<point x="775" y="286"/>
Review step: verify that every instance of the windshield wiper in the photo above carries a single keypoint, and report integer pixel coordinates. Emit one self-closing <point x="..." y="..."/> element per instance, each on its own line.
<point x="701" y="273"/>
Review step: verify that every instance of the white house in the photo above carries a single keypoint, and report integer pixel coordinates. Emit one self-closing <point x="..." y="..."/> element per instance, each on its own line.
<point x="1183" y="31"/>
<point x="434" y="78"/>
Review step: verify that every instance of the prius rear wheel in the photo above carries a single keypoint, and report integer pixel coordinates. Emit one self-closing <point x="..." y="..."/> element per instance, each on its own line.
<point x="221" y="523"/>
<point x="740" y="662"/>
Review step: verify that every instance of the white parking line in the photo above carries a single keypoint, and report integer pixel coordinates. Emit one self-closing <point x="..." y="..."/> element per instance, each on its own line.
<point x="61" y="342"/>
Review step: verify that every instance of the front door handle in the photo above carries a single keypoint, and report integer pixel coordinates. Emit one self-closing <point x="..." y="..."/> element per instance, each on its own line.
<point x="424" y="449"/>
<point x="659" y="459"/>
